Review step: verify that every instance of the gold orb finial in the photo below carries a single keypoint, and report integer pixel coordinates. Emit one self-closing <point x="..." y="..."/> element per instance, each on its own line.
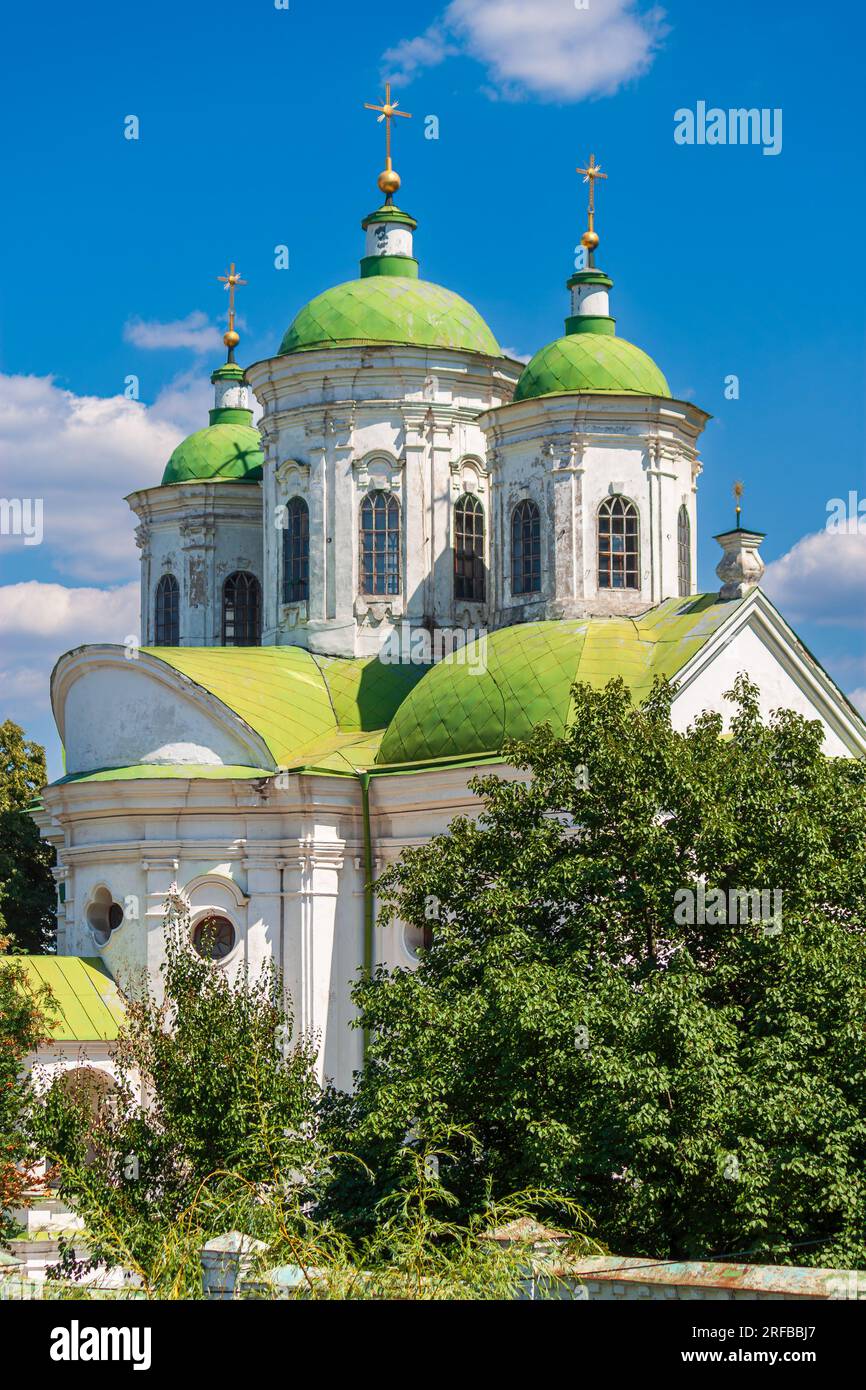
<point x="389" y="182"/>
<point x="590" y="240"/>
<point x="231" y="338"/>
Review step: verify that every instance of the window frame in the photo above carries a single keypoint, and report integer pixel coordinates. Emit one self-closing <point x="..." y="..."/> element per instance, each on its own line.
<point x="250" y="585"/>
<point x="167" y="585"/>
<point x="611" y="560"/>
<point x="295" y="586"/>
<point x="684" y="552"/>
<point x="469" y="550"/>
<point x="530" y="572"/>
<point x="390" y="572"/>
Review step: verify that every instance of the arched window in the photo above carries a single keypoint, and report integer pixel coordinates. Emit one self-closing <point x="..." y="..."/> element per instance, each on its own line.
<point x="684" y="552"/>
<point x="242" y="610"/>
<point x="618" y="545"/>
<point x="380" y="544"/>
<point x="167" y="612"/>
<point x="296" y="552"/>
<point x="469" y="578"/>
<point x="526" y="549"/>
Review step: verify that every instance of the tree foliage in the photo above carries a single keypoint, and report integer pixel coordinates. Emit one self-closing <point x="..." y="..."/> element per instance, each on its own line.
<point x="27" y="892"/>
<point x="209" y="1086"/>
<point x="698" y="1086"/>
<point x="22" y="1028"/>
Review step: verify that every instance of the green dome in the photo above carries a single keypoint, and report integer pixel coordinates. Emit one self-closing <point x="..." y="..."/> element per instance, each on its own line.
<point x="472" y="701"/>
<point x="229" y="452"/>
<point x="390" y="309"/>
<point x="591" y="362"/>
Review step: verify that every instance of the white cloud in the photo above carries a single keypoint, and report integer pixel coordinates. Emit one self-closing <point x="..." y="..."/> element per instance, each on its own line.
<point x="858" y="698"/>
<point x="38" y="622"/>
<point x="81" y="455"/>
<point x="195" y="332"/>
<point x="549" y="48"/>
<point x="34" y="612"/>
<point x="184" y="402"/>
<point x="517" y="356"/>
<point x="821" y="579"/>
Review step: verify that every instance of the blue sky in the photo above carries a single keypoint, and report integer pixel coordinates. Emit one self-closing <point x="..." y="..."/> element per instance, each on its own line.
<point x="253" y="134"/>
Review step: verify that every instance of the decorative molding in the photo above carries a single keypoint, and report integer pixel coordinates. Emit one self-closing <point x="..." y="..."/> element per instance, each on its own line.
<point x="379" y="472"/>
<point x="290" y="466"/>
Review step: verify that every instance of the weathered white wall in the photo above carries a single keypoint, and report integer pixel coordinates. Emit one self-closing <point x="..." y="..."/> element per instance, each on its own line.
<point x="569" y="453"/>
<point x="285" y="865"/>
<point x="114" y="713"/>
<point x="754" y="651"/>
<point x="201" y="533"/>
<point x="340" y="423"/>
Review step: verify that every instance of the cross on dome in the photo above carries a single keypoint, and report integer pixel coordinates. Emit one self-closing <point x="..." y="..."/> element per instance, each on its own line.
<point x="590" y="237"/>
<point x="389" y="179"/>
<point x="231" y="282"/>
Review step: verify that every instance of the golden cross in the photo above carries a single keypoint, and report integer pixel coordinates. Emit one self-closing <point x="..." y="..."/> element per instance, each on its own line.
<point x="591" y="173"/>
<point x="231" y="281"/>
<point x="388" y="112"/>
<point x="738" y="492"/>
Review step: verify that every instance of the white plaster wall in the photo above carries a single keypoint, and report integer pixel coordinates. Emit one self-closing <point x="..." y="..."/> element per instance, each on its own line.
<point x="200" y="533"/>
<point x="115" y="716"/>
<point x="567" y="454"/>
<point x="748" y="652"/>
<point x="337" y="426"/>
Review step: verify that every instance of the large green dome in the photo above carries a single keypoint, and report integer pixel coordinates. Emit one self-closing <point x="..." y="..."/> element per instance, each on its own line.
<point x="390" y="308"/>
<point x="229" y="452"/>
<point x="591" y="362"/>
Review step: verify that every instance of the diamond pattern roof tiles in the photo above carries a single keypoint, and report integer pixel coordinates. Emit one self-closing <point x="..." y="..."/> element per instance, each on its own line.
<point x="470" y="707"/>
<point x="390" y="309"/>
<point x="300" y="705"/>
<point x="340" y="715"/>
<point x="222" y="452"/>
<point x="591" y="362"/>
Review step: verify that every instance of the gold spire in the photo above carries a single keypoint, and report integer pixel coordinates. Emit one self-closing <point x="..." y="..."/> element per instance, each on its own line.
<point x="231" y="282"/>
<point x="590" y="237"/>
<point x="389" y="179"/>
<point x="738" y="492"/>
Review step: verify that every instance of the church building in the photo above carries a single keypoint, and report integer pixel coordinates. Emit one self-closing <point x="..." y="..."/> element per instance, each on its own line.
<point x="347" y="610"/>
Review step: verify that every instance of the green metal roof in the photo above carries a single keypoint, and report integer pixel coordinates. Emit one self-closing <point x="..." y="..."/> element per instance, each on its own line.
<point x="528" y="674"/>
<point x="339" y="715"/>
<point x="86" y="1003"/>
<point x="227" y="452"/>
<point x="305" y="708"/>
<point x="591" y="363"/>
<point x="390" y="309"/>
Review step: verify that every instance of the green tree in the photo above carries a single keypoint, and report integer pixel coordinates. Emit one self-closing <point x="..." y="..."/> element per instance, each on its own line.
<point x="27" y="891"/>
<point x="698" y="1085"/>
<point x="22" y="1029"/>
<point x="209" y="1089"/>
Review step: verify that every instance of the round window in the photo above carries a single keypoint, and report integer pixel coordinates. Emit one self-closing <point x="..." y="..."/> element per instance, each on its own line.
<point x="417" y="938"/>
<point x="213" y="937"/>
<point x="104" y="916"/>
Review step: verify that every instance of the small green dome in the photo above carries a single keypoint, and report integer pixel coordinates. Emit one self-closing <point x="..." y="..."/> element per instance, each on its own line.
<point x="230" y="452"/>
<point x="591" y="362"/>
<point x="390" y="309"/>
